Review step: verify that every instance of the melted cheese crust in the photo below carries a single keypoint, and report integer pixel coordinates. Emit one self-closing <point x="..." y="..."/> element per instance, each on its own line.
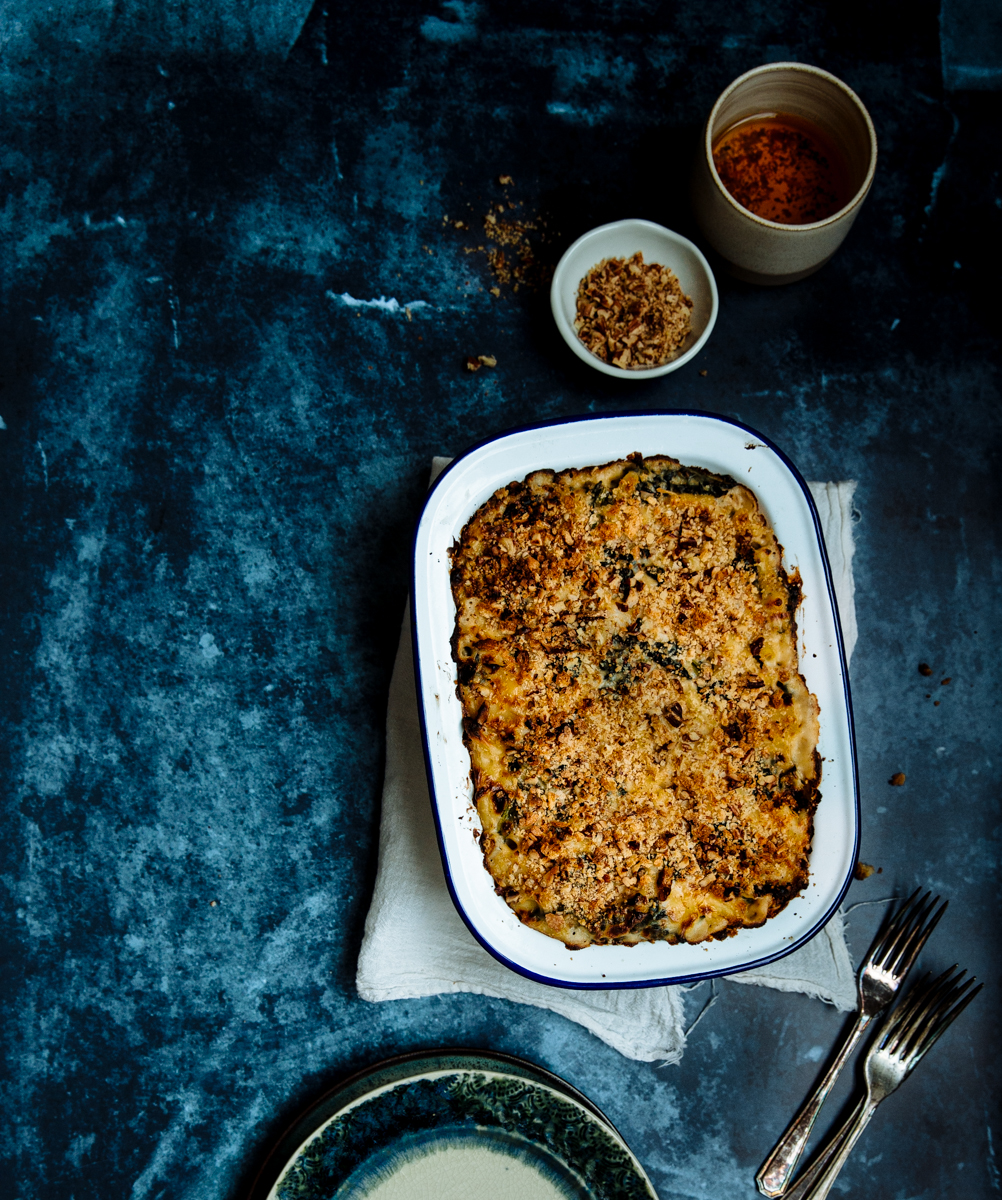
<point x="642" y="744"/>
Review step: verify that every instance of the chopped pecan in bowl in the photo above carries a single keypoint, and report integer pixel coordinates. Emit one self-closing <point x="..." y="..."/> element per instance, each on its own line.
<point x="632" y="314"/>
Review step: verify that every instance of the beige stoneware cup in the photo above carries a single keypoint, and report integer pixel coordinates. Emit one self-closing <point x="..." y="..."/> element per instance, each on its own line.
<point x="767" y="252"/>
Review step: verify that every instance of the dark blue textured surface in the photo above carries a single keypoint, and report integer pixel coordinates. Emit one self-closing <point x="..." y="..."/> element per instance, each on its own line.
<point x="971" y="36"/>
<point x="210" y="466"/>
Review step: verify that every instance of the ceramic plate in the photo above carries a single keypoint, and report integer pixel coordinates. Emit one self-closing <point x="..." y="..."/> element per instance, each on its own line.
<point x="697" y="439"/>
<point x="449" y="1126"/>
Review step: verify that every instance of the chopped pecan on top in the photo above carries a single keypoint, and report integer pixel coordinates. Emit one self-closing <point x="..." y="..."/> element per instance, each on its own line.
<point x="631" y="313"/>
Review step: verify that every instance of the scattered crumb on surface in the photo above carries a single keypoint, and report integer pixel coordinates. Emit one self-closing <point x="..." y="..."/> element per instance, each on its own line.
<point x="925" y="669"/>
<point x="944" y="682"/>
<point x="517" y="256"/>
<point x="514" y="259"/>
<point x="632" y="314"/>
<point x="702" y="372"/>
<point x="863" y="871"/>
<point x="476" y="361"/>
<point x="897" y="779"/>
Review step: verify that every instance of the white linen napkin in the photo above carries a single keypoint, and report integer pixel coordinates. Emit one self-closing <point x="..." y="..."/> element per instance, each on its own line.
<point x="416" y="944"/>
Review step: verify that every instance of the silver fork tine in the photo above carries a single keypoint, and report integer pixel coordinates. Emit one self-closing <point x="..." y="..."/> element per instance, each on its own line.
<point x="879" y="949"/>
<point x="913" y="1009"/>
<point x="939" y="990"/>
<point x="906" y="928"/>
<point x="919" y="936"/>
<point x="905" y="1009"/>
<point x="932" y="1036"/>
<point x="933" y="1017"/>
<point x="919" y="1009"/>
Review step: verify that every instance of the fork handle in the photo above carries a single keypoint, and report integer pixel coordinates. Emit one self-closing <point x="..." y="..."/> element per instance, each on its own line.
<point x="837" y="1162"/>
<point x="809" y="1176"/>
<point x="774" y="1173"/>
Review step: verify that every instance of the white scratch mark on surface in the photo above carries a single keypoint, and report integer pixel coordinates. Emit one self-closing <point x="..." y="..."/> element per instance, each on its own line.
<point x="3" y="423"/>
<point x="391" y="305"/>
<point x="45" y="464"/>
<point x="595" y="115"/>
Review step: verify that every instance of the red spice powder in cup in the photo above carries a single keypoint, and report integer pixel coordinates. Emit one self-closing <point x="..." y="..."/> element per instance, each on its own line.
<point x="782" y="168"/>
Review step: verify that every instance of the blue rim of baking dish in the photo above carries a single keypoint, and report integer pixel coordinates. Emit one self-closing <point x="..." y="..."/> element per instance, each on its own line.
<point x="691" y="977"/>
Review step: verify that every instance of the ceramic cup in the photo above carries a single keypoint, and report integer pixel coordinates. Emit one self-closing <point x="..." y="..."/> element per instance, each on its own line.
<point x="762" y="251"/>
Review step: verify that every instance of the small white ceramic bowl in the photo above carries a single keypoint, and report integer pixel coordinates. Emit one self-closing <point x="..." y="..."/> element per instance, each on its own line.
<point x="622" y="239"/>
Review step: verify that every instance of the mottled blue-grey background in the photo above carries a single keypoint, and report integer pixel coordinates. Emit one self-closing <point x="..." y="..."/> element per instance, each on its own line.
<point x="211" y="466"/>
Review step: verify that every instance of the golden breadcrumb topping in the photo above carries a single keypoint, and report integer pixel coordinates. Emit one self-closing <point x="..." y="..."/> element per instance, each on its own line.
<point x="642" y="744"/>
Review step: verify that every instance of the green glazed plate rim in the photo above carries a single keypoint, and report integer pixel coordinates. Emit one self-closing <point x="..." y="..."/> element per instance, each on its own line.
<point x="404" y="1067"/>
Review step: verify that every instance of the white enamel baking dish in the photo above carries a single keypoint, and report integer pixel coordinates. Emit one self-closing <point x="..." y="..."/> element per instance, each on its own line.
<point x="697" y="439"/>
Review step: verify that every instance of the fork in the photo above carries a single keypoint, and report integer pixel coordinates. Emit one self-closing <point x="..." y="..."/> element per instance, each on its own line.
<point x="910" y="1032"/>
<point x="880" y="976"/>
